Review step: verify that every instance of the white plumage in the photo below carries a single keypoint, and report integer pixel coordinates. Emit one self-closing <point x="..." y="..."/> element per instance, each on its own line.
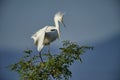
<point x="48" y="34"/>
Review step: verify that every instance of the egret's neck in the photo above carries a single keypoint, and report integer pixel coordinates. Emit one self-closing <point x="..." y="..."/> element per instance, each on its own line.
<point x="57" y="26"/>
<point x="56" y="23"/>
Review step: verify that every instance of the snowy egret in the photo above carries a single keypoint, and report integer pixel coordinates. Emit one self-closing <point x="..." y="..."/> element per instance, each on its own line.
<point x="48" y="34"/>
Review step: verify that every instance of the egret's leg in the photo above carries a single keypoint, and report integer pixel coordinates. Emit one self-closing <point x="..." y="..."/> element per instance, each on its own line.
<point x="49" y="48"/>
<point x="40" y="56"/>
<point x="50" y="56"/>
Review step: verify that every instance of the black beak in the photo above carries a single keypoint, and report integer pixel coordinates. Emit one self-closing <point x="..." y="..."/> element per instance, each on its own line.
<point x="63" y="23"/>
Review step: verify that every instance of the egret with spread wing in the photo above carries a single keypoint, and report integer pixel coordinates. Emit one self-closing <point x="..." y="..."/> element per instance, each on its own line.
<point x="48" y="34"/>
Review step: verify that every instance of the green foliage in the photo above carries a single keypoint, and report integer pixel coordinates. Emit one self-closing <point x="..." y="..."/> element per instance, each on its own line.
<point x="54" y="66"/>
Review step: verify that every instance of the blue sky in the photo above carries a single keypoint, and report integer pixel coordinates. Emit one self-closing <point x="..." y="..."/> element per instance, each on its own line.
<point x="89" y="22"/>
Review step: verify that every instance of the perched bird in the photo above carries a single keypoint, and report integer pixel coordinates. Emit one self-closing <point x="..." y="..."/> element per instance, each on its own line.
<point x="48" y="34"/>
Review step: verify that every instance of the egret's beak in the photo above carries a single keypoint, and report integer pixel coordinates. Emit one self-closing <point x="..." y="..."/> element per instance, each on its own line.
<point x="63" y="23"/>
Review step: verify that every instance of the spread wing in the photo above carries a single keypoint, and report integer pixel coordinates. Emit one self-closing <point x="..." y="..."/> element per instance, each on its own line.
<point x="38" y="38"/>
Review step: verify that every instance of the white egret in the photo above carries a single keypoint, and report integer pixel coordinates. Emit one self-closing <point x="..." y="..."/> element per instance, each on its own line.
<point x="48" y="34"/>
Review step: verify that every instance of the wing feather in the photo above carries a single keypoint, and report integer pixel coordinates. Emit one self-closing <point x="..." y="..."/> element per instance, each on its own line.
<point x="38" y="38"/>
